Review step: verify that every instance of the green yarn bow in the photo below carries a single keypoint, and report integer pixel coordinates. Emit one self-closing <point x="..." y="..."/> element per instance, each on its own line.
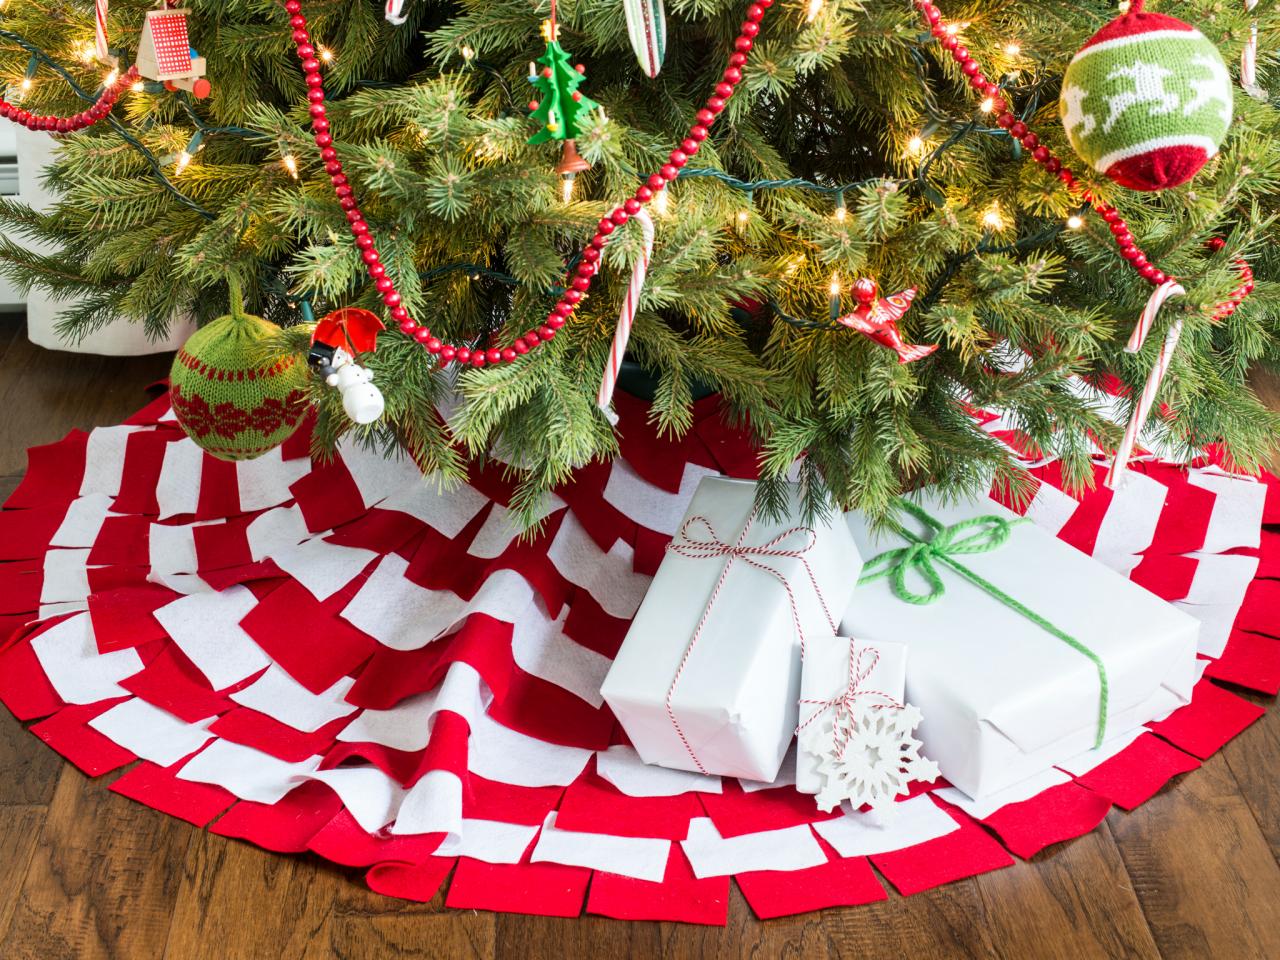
<point x="975" y="535"/>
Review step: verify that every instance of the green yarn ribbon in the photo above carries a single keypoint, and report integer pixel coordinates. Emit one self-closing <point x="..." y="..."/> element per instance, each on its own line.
<point x="975" y="535"/>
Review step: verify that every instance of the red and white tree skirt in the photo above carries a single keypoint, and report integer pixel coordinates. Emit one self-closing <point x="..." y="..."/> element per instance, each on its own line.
<point x="344" y="659"/>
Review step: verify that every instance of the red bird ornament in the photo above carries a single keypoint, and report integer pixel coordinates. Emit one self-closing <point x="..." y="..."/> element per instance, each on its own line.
<point x="878" y="319"/>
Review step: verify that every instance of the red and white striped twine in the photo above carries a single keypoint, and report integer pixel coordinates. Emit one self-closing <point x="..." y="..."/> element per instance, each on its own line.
<point x="844" y="703"/>
<point x="709" y="546"/>
<point x="627" y="314"/>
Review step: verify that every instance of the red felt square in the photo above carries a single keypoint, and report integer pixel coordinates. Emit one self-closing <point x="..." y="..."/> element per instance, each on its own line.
<point x="962" y="853"/>
<point x="20" y="583"/>
<point x="1250" y="660"/>
<point x="680" y="896"/>
<point x="1060" y="813"/>
<point x="410" y="881"/>
<point x="219" y="493"/>
<point x="1258" y="612"/>
<point x="25" y="534"/>
<point x="171" y="682"/>
<point x="1134" y="774"/>
<point x="23" y="686"/>
<point x="286" y="826"/>
<point x="309" y="641"/>
<point x="144" y="453"/>
<point x="54" y="473"/>
<point x="159" y="789"/>
<point x="328" y="496"/>
<point x="220" y="546"/>
<point x="593" y="805"/>
<point x="735" y="812"/>
<point x="839" y="882"/>
<point x="651" y="547"/>
<point x="493" y="800"/>
<point x="68" y="732"/>
<point x="540" y="889"/>
<point x="1167" y="577"/>
<point x="122" y="541"/>
<point x="124" y="618"/>
<point x="1211" y="719"/>
<point x="344" y="841"/>
<point x="253" y="729"/>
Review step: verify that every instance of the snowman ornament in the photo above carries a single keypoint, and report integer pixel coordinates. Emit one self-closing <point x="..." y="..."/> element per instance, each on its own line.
<point x="335" y="342"/>
<point x="361" y="399"/>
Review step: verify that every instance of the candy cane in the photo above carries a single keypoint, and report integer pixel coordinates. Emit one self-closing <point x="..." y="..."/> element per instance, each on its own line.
<point x="1249" y="59"/>
<point x="1145" y="402"/>
<point x="627" y="315"/>
<point x="1170" y="288"/>
<point x="395" y="12"/>
<point x="100" y="31"/>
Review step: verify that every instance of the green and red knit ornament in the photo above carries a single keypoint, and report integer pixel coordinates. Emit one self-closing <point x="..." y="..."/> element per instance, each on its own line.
<point x="1147" y="100"/>
<point x="231" y="395"/>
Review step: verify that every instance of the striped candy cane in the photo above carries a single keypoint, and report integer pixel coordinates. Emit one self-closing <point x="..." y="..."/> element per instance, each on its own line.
<point x="1249" y="59"/>
<point x="627" y="315"/>
<point x="395" y="12"/>
<point x="100" y="31"/>
<point x="1170" y="288"/>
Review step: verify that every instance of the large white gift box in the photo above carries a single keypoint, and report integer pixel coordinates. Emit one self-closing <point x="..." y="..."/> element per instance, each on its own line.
<point x="843" y="674"/>
<point x="1005" y="698"/>
<point x="708" y="677"/>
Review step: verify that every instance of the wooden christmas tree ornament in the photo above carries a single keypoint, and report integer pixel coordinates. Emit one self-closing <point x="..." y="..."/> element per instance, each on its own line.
<point x="165" y="53"/>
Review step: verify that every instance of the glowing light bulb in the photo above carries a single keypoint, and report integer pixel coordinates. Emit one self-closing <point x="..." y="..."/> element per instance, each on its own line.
<point x="326" y="54"/>
<point x="988" y="104"/>
<point x="915" y="144"/>
<point x="812" y="11"/>
<point x="290" y="164"/>
<point x="992" y="219"/>
<point x="743" y="217"/>
<point x="566" y="189"/>
<point x="467" y="52"/>
<point x="662" y="203"/>
<point x="833" y="287"/>
<point x="110" y="79"/>
<point x="841" y="213"/>
<point x="1074" y="222"/>
<point x="952" y="29"/>
<point x="184" y="161"/>
<point x="1013" y="49"/>
<point x="26" y="84"/>
<point x="138" y="86"/>
<point x="1124" y="6"/>
<point x="88" y="52"/>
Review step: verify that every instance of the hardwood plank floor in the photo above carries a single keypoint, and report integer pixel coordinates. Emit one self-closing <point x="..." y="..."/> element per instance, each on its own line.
<point x="88" y="874"/>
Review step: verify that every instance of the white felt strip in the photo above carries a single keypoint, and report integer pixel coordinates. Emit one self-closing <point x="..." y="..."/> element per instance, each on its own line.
<point x="1050" y="508"/>
<point x="623" y="768"/>
<point x="151" y="733"/>
<point x="206" y="627"/>
<point x="647" y="504"/>
<point x="498" y="753"/>
<point x="369" y="795"/>
<point x="1082" y="763"/>
<point x="264" y="481"/>
<point x="489" y="840"/>
<point x="608" y="577"/>
<point x="433" y="805"/>
<point x="104" y="460"/>
<point x="282" y="698"/>
<point x="1129" y="525"/>
<point x="864" y="834"/>
<point x="404" y="616"/>
<point x="68" y="654"/>
<point x="1236" y="520"/>
<point x="539" y="647"/>
<point x="249" y="774"/>
<point x="172" y="549"/>
<point x="66" y="578"/>
<point x="984" y="807"/>
<point x="499" y="529"/>
<point x="178" y="489"/>
<point x="1216" y="621"/>
<point x="323" y="568"/>
<point x="407" y="725"/>
<point x="447" y="509"/>
<point x="48" y="611"/>
<point x="276" y="530"/>
<point x="83" y="521"/>
<point x="711" y="855"/>
<point x="637" y="857"/>
<point x="376" y="476"/>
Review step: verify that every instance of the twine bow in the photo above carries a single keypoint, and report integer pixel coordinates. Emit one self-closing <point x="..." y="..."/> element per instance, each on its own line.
<point x="945" y="543"/>
<point x="698" y="540"/>
<point x="845" y="701"/>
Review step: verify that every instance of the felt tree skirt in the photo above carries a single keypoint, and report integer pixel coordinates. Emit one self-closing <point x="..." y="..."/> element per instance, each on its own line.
<point x="344" y="659"/>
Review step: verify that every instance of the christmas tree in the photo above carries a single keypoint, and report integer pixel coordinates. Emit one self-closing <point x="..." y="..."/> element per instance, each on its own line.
<point x="844" y="143"/>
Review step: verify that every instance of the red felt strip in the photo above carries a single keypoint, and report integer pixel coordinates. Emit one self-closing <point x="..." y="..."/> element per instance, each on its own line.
<point x="144" y="453"/>
<point x="680" y="896"/>
<point x="159" y="789"/>
<point x="593" y="805"/>
<point x="1211" y="719"/>
<point x="840" y="882"/>
<point x="1165" y="576"/>
<point x="172" y="682"/>
<point x="735" y="812"/>
<point x="1060" y="813"/>
<point x="25" y="534"/>
<point x="492" y="800"/>
<point x="286" y="826"/>
<point x="328" y="496"/>
<point x="220" y="546"/>
<point x="344" y="841"/>
<point x="962" y="853"/>
<point x="23" y="686"/>
<point x="1136" y="773"/>
<point x="219" y="493"/>
<point x="124" y="618"/>
<point x="540" y="889"/>
<point x="410" y="881"/>
<point x="54" y="473"/>
<point x="68" y="732"/>
<point x="20" y="583"/>
<point x="1250" y="660"/>
<point x="122" y="541"/>
<point x="257" y="730"/>
<point x="1258" y="613"/>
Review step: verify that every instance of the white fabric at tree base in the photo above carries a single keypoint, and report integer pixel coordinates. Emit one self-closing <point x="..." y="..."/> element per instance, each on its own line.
<point x="711" y="855"/>
<point x="65" y="577"/>
<point x="407" y="726"/>
<point x="83" y="521"/>
<point x="68" y="654"/>
<point x="623" y="768"/>
<point x="249" y="774"/>
<point x="151" y="733"/>
<point x="489" y="840"/>
<point x="206" y="627"/>
<point x="282" y="698"/>
<point x="913" y="821"/>
<point x="640" y="858"/>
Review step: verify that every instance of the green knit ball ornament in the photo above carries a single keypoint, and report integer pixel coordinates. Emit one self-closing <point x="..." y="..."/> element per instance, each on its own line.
<point x="231" y="396"/>
<point x="1147" y="100"/>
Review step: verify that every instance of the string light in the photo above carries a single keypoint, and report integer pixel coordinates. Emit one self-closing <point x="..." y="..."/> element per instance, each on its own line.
<point x="988" y="104"/>
<point x="662" y="202"/>
<point x="1013" y="49"/>
<point x="833" y="291"/>
<point x="566" y="188"/>
<point x="26" y="84"/>
<point x="138" y="86"/>
<point x="814" y="8"/>
<point x="111" y="78"/>
<point x="290" y="164"/>
<point x="186" y="156"/>
<point x="952" y="28"/>
<point x="993" y="218"/>
<point x="744" y="215"/>
<point x="88" y="52"/>
<point x="842" y="212"/>
<point x="184" y="161"/>
<point x="1075" y="222"/>
<point x="326" y="54"/>
<point x="915" y="145"/>
<point x="467" y="52"/>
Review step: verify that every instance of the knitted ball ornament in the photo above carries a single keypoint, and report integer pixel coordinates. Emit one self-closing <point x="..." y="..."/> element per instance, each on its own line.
<point x="231" y="396"/>
<point x="1147" y="100"/>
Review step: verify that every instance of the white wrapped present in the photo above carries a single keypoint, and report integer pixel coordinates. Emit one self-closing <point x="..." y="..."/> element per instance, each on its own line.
<point x="708" y="677"/>
<point x="1024" y="652"/>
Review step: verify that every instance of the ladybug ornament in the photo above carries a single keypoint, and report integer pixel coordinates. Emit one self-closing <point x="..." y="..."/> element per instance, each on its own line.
<point x="1147" y="100"/>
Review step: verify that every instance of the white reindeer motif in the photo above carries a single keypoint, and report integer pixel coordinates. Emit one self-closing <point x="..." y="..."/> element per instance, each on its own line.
<point x="1073" y="98"/>
<point x="1148" y="87"/>
<point x="1210" y="89"/>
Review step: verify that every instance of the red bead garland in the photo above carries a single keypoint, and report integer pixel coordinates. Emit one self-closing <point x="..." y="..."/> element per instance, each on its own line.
<point x="87" y="118"/>
<point x="588" y="266"/>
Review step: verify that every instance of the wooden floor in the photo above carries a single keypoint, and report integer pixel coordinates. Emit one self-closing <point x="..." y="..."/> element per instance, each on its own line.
<point x="87" y="874"/>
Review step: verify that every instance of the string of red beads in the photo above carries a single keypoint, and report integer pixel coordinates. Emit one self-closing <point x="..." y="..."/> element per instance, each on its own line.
<point x="1041" y="154"/>
<point x="589" y="264"/>
<point x="87" y="118"/>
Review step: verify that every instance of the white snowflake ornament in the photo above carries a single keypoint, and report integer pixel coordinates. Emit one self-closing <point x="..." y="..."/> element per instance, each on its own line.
<point x="866" y="756"/>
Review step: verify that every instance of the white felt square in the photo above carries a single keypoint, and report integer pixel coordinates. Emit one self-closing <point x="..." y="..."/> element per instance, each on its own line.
<point x="282" y="698"/>
<point x="499" y="529"/>
<point x="540" y="647"/>
<point x="323" y="568"/>
<point x="151" y="733"/>
<point x="623" y="768"/>
<point x="206" y="627"/>
<point x="376" y="476"/>
<point x="83" y="521"/>
<point x="264" y="481"/>
<point x="499" y="753"/>
<point x="249" y="774"/>
<point x="445" y="508"/>
<point x="433" y="805"/>
<point x="647" y="504"/>
<point x="407" y="725"/>
<point x="276" y="530"/>
<point x="369" y="795"/>
<point x="68" y="654"/>
<point x="489" y="840"/>
<point x="178" y="488"/>
<point x="1236" y="520"/>
<point x="711" y="855"/>
<point x="172" y="549"/>
<point x="638" y="857"/>
<point x="1050" y="508"/>
<point x="66" y="576"/>
<point x="984" y="807"/>
<point x="1129" y="525"/>
<point x="608" y="577"/>
<point x="104" y="459"/>
<point x="912" y="822"/>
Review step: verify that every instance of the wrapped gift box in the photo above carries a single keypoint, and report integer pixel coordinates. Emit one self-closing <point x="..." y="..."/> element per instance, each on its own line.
<point x="878" y="681"/>
<point x="1003" y="698"/>
<point x="708" y="677"/>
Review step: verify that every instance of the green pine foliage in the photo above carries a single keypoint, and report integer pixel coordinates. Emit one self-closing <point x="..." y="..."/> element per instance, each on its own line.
<point x="431" y="119"/>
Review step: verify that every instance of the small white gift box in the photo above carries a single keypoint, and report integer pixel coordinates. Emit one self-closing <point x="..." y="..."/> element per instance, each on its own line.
<point x="708" y="677"/>
<point x="1028" y="650"/>
<point x="840" y="678"/>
